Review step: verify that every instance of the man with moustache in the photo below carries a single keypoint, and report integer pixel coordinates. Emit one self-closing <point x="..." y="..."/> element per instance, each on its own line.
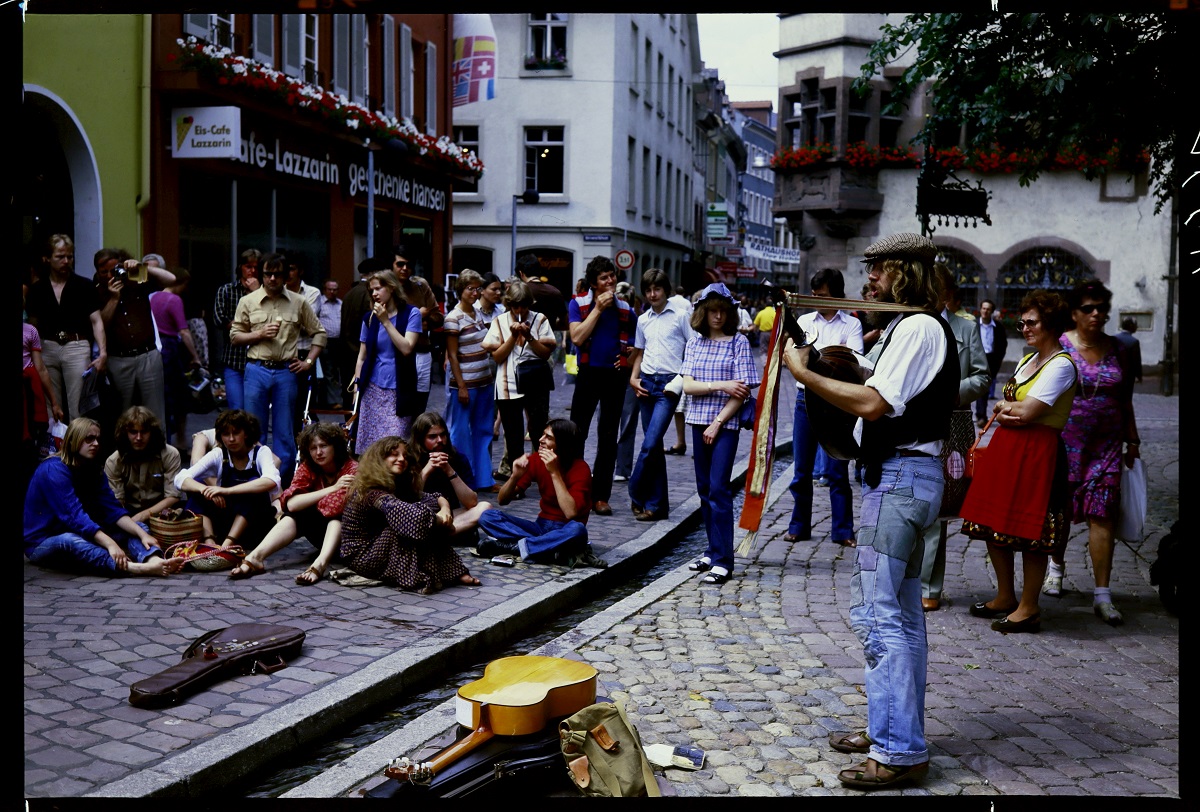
<point x="233" y="357"/>
<point x="904" y="415"/>
<point x="419" y="294"/>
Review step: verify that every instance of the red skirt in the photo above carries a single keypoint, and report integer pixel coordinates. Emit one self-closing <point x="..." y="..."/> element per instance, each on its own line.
<point x="1017" y="495"/>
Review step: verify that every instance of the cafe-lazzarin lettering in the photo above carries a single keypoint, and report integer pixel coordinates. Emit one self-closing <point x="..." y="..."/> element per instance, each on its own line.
<point x="288" y="162"/>
<point x="391" y="186"/>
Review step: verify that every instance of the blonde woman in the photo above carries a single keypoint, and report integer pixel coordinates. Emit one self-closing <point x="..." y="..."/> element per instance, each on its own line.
<point x="385" y="374"/>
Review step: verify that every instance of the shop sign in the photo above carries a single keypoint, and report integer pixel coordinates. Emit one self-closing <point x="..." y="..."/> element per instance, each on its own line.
<point x="597" y="238"/>
<point x="774" y="254"/>
<point x="397" y="187"/>
<point x="205" y="132"/>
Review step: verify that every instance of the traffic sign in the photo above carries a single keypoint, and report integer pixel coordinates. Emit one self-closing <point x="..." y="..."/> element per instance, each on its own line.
<point x="624" y="259"/>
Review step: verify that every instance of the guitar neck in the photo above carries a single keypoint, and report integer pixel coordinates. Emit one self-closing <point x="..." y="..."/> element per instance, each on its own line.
<point x="423" y="771"/>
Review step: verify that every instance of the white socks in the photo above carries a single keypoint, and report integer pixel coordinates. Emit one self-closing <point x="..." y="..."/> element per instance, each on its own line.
<point x="1054" y="569"/>
<point x="1102" y="594"/>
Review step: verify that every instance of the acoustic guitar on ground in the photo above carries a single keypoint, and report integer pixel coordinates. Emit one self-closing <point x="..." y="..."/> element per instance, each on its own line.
<point x="516" y="696"/>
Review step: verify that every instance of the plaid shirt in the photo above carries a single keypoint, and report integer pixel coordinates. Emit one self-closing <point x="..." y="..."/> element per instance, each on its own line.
<point x="709" y="360"/>
<point x="224" y="309"/>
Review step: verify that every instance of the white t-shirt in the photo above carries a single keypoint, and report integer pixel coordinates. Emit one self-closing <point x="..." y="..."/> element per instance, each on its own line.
<point x="912" y="360"/>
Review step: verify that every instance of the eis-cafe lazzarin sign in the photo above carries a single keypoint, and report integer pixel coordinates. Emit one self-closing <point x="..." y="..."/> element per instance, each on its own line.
<point x="201" y="133"/>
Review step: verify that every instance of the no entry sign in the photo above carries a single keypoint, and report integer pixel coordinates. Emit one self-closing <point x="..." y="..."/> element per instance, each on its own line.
<point x="623" y="259"/>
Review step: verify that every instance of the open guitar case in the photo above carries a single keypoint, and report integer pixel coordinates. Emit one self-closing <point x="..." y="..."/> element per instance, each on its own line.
<point x="532" y="766"/>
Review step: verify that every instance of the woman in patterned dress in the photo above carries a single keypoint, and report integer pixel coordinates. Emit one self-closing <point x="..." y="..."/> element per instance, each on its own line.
<point x="471" y="398"/>
<point x="392" y="531"/>
<point x="1102" y="423"/>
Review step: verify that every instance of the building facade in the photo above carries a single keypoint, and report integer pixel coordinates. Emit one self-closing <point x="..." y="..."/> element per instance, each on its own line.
<point x="596" y="113"/>
<point x="754" y="122"/>
<point x="329" y="113"/>
<point x="846" y="176"/>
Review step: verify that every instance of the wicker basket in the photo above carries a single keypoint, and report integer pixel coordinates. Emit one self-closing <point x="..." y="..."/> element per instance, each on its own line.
<point x="174" y="525"/>
<point x="206" y="557"/>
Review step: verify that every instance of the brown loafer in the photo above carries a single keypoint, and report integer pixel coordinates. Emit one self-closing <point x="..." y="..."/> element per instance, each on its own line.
<point x="930" y="604"/>
<point x="850" y="742"/>
<point x="602" y="509"/>
<point x="873" y="775"/>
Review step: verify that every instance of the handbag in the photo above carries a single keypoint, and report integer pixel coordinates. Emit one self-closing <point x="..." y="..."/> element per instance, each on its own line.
<point x="534" y="374"/>
<point x="746" y="414"/>
<point x="604" y="754"/>
<point x="1132" y="517"/>
<point x="175" y="525"/>
<point x="956" y="466"/>
<point x="206" y="557"/>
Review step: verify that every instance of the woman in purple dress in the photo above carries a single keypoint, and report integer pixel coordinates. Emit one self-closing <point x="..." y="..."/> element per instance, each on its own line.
<point x="1102" y="423"/>
<point x="385" y="375"/>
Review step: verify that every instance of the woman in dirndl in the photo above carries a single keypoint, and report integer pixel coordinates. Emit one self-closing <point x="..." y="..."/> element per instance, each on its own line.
<point x="1023" y="507"/>
<point x="385" y="372"/>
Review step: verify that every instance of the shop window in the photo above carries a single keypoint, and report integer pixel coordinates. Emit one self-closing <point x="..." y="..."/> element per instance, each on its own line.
<point x="547" y="43"/>
<point x="544" y="154"/>
<point x="467" y="137"/>
<point x="1037" y="269"/>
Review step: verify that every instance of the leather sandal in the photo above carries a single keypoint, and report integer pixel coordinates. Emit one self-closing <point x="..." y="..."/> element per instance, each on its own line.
<point x="246" y="569"/>
<point x="303" y="578"/>
<point x="717" y="578"/>
<point x="700" y="565"/>
<point x="873" y="775"/>
<point x="850" y="742"/>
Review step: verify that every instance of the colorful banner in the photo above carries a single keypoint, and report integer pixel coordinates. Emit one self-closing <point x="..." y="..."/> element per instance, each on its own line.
<point x="473" y="73"/>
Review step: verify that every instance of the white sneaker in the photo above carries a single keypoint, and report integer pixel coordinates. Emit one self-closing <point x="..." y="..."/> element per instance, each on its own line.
<point x="1052" y="586"/>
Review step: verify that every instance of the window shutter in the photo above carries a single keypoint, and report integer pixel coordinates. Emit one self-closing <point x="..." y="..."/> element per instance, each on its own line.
<point x="431" y="86"/>
<point x="341" y="54"/>
<point x="406" y="72"/>
<point x="358" y="58"/>
<point x="196" y="25"/>
<point x="389" y="65"/>
<point x="264" y="39"/>
<point x="293" y="29"/>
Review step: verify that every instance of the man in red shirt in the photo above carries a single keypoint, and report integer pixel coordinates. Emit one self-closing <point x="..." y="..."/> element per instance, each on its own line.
<point x="565" y="484"/>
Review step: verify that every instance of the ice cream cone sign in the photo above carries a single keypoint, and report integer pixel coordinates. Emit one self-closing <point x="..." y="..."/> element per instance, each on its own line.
<point x="182" y="125"/>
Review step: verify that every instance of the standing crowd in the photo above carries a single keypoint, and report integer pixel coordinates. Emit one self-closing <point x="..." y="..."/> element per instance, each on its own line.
<point x="391" y="491"/>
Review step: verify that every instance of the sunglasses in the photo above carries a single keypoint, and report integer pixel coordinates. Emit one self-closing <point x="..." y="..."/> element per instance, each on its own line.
<point x="1030" y="323"/>
<point x="92" y="438"/>
<point x="1088" y="309"/>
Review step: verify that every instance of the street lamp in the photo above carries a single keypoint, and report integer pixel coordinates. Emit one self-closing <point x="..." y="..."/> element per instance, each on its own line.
<point x="529" y="196"/>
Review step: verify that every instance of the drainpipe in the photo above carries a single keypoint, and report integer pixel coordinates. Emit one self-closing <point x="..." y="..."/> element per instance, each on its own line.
<point x="143" y="198"/>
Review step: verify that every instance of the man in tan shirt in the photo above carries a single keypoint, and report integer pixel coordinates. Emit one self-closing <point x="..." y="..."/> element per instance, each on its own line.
<point x="270" y="321"/>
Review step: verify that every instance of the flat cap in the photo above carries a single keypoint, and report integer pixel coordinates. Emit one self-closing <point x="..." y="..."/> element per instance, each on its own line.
<point x="901" y="245"/>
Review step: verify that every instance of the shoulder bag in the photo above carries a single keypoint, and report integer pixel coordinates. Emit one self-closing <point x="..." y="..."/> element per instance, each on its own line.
<point x="534" y="374"/>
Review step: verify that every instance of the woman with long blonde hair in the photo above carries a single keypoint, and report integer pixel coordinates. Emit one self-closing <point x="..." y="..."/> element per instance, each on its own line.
<point x="385" y="375"/>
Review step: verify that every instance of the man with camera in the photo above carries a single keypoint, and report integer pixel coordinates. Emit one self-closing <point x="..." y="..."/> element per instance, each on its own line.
<point x="123" y="288"/>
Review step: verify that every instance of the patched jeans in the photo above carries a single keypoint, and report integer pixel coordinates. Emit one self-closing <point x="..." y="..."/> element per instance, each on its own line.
<point x="886" y="613"/>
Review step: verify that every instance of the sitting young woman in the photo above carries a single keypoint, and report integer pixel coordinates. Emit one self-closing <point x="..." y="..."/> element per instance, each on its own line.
<point x="141" y="472"/>
<point x="238" y="507"/>
<point x="565" y="484"/>
<point x="73" y="521"/>
<point x="446" y="472"/>
<point x="312" y="504"/>
<point x="393" y="531"/>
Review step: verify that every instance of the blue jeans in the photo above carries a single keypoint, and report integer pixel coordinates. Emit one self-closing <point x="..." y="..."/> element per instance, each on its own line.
<point x="714" y="467"/>
<point x="534" y="537"/>
<point x="470" y="429"/>
<point x="885" y="614"/>
<point x="235" y="388"/>
<point x="74" y="553"/>
<point x="604" y="387"/>
<point x="627" y="434"/>
<point x="804" y="449"/>
<point x="648" y="483"/>
<point x="272" y="392"/>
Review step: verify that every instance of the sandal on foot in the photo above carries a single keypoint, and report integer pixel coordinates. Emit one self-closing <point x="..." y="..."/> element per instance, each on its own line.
<point x="700" y="565"/>
<point x="716" y="578"/>
<point x="469" y="580"/>
<point x="873" y="775"/>
<point x="851" y="543"/>
<point x="1108" y="613"/>
<point x="797" y="537"/>
<point x="316" y="573"/>
<point x="850" y="742"/>
<point x="246" y="569"/>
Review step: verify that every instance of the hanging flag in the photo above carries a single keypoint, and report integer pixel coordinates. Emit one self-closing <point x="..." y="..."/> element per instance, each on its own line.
<point x="473" y="74"/>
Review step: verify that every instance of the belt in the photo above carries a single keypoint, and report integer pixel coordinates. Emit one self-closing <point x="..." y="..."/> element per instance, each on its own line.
<point x="131" y="353"/>
<point x="908" y="452"/>
<point x="63" y="337"/>
<point x="269" y="364"/>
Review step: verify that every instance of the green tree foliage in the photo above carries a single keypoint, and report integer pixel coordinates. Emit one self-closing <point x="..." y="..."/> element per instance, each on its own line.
<point x="1049" y="83"/>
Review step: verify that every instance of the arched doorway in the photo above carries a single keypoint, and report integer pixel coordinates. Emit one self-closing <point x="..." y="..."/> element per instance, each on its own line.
<point x="1042" y="267"/>
<point x="57" y="188"/>
<point x="473" y="257"/>
<point x="557" y="265"/>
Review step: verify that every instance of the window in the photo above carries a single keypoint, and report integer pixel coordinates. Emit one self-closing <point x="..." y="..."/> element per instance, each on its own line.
<point x="658" y="189"/>
<point x="668" y="204"/>
<point x="431" y="95"/>
<point x="1036" y="269"/>
<point x="215" y="28"/>
<point x="359" y="48"/>
<point x="407" y="102"/>
<point x="670" y="91"/>
<point x="467" y="137"/>
<point x="648" y="74"/>
<point x="341" y="54"/>
<point x="633" y="57"/>
<point x="547" y="45"/>
<point x="544" y="160"/>
<point x="300" y="47"/>
<point x="679" y="198"/>
<point x="646" y="195"/>
<point x="263" y="44"/>
<point x="660" y="88"/>
<point x="388" y="90"/>
<point x="631" y="193"/>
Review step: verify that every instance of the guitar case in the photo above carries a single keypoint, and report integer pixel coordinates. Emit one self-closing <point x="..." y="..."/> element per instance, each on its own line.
<point x="530" y="765"/>
<point x="244" y="648"/>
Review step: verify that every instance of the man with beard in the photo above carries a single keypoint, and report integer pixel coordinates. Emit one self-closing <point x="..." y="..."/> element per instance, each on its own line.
<point x="419" y="294"/>
<point x="904" y="414"/>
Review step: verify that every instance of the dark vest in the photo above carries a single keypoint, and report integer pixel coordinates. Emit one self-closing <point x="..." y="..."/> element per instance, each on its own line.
<point x="927" y="415"/>
<point x="407" y="401"/>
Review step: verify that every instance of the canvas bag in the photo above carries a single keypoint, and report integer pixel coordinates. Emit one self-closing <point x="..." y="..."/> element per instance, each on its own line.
<point x="604" y="753"/>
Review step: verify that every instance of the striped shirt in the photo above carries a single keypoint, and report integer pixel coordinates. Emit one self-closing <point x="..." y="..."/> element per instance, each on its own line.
<point x="471" y="329"/>
<point x="708" y="359"/>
